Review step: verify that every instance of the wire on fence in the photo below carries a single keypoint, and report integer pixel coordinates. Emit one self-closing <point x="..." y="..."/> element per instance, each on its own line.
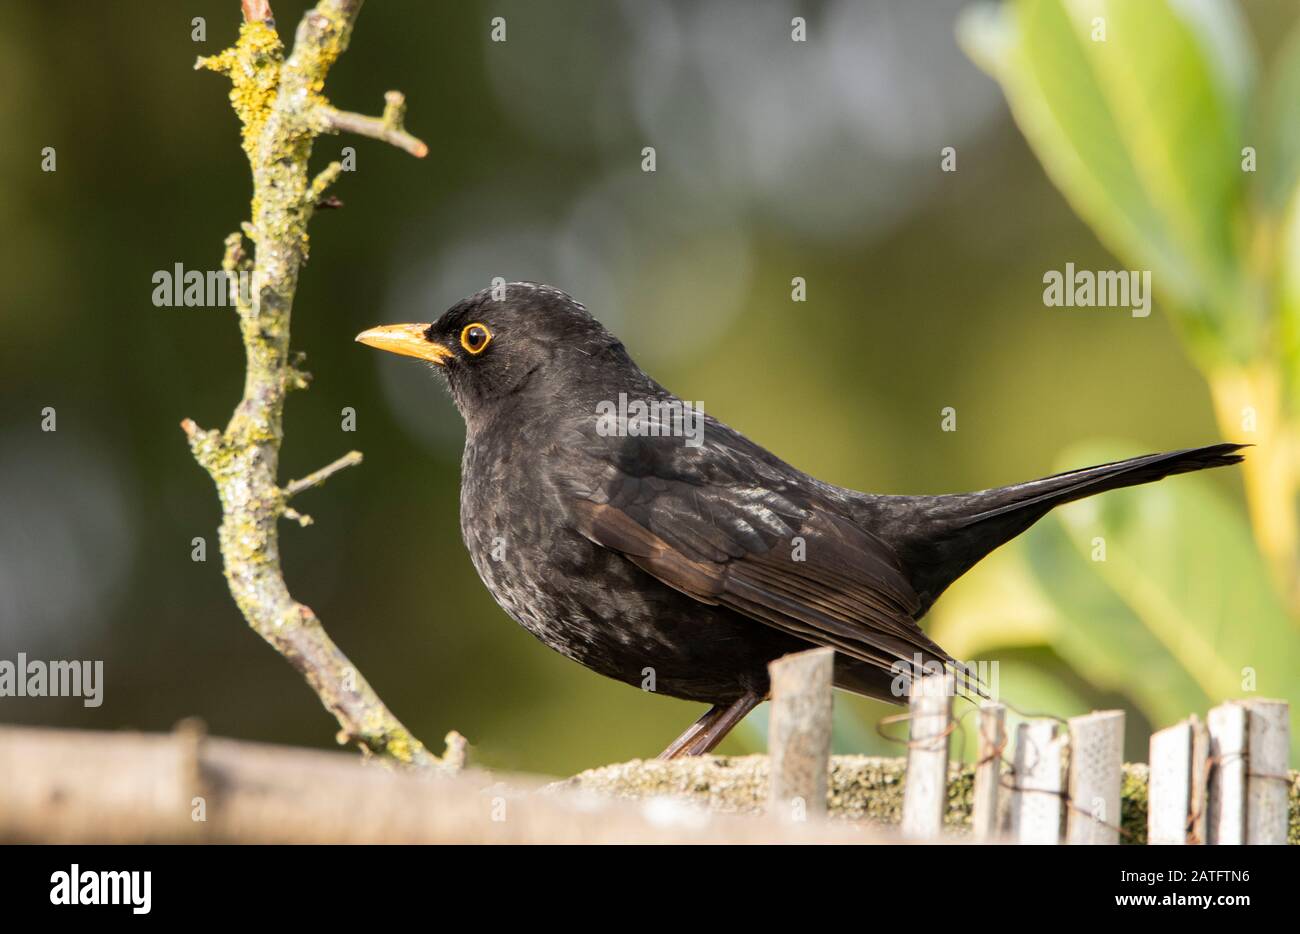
<point x="1008" y="781"/>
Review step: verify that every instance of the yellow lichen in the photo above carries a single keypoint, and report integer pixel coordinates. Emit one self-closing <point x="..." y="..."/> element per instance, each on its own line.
<point x="333" y="31"/>
<point x="398" y="746"/>
<point x="253" y="66"/>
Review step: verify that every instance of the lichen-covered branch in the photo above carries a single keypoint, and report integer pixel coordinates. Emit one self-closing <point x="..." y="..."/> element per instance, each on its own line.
<point x="279" y="102"/>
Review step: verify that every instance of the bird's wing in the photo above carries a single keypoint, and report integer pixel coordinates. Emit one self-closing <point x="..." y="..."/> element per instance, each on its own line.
<point x="728" y="524"/>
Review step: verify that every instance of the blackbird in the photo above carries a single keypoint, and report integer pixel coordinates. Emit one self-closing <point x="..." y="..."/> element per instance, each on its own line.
<point x="658" y="546"/>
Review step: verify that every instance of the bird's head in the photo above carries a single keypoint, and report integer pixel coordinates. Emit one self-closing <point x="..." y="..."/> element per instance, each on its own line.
<point x="506" y="341"/>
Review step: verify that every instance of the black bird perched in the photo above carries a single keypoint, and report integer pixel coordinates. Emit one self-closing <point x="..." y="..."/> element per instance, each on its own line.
<point x="632" y="534"/>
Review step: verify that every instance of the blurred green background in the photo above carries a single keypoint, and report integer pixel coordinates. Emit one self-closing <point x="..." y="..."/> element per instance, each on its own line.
<point x="775" y="159"/>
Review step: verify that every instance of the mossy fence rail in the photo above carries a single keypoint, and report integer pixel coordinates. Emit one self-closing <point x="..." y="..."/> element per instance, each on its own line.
<point x="1224" y="780"/>
<point x="1220" y="781"/>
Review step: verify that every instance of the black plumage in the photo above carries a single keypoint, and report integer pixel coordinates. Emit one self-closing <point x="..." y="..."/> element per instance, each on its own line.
<point x="692" y="567"/>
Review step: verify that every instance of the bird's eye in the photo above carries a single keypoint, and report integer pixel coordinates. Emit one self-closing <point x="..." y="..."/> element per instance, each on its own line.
<point x="475" y="337"/>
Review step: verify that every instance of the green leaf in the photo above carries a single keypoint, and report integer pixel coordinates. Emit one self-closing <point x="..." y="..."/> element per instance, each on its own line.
<point x="1183" y="559"/>
<point x="1141" y="127"/>
<point x="1279" y="158"/>
<point x="1288" y="289"/>
<point x="1106" y="640"/>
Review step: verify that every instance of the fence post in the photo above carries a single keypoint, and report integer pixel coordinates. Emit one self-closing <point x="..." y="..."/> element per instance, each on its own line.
<point x="1197" y="819"/>
<point x="799" y="733"/>
<point x="1227" y="786"/>
<point x="1096" y="771"/>
<point x="1268" y="742"/>
<point x="1036" y="802"/>
<point x="1176" y="799"/>
<point x="925" y="792"/>
<point x="986" y="815"/>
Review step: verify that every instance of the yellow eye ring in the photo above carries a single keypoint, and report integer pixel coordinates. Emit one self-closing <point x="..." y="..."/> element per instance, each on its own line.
<point x="475" y="337"/>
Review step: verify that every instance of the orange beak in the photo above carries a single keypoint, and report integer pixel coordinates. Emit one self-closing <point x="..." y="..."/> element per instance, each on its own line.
<point x="407" y="340"/>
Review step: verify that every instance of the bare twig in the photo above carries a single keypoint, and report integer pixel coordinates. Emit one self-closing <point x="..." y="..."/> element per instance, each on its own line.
<point x="294" y="515"/>
<point x="279" y="103"/>
<point x="327" y="176"/>
<point x="388" y="128"/>
<point x="317" y="477"/>
<point x="256" y="11"/>
<point x="236" y="263"/>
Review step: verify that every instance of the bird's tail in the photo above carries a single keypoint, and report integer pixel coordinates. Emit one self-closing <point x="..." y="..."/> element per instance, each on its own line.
<point x="938" y="538"/>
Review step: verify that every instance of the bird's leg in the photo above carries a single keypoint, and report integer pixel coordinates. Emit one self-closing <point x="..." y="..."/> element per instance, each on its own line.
<point x="675" y="748"/>
<point x="706" y="741"/>
<point x="704" y="734"/>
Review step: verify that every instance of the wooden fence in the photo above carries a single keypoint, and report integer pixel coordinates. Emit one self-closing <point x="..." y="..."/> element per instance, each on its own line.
<point x="1046" y="781"/>
<point x="1223" y="780"/>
